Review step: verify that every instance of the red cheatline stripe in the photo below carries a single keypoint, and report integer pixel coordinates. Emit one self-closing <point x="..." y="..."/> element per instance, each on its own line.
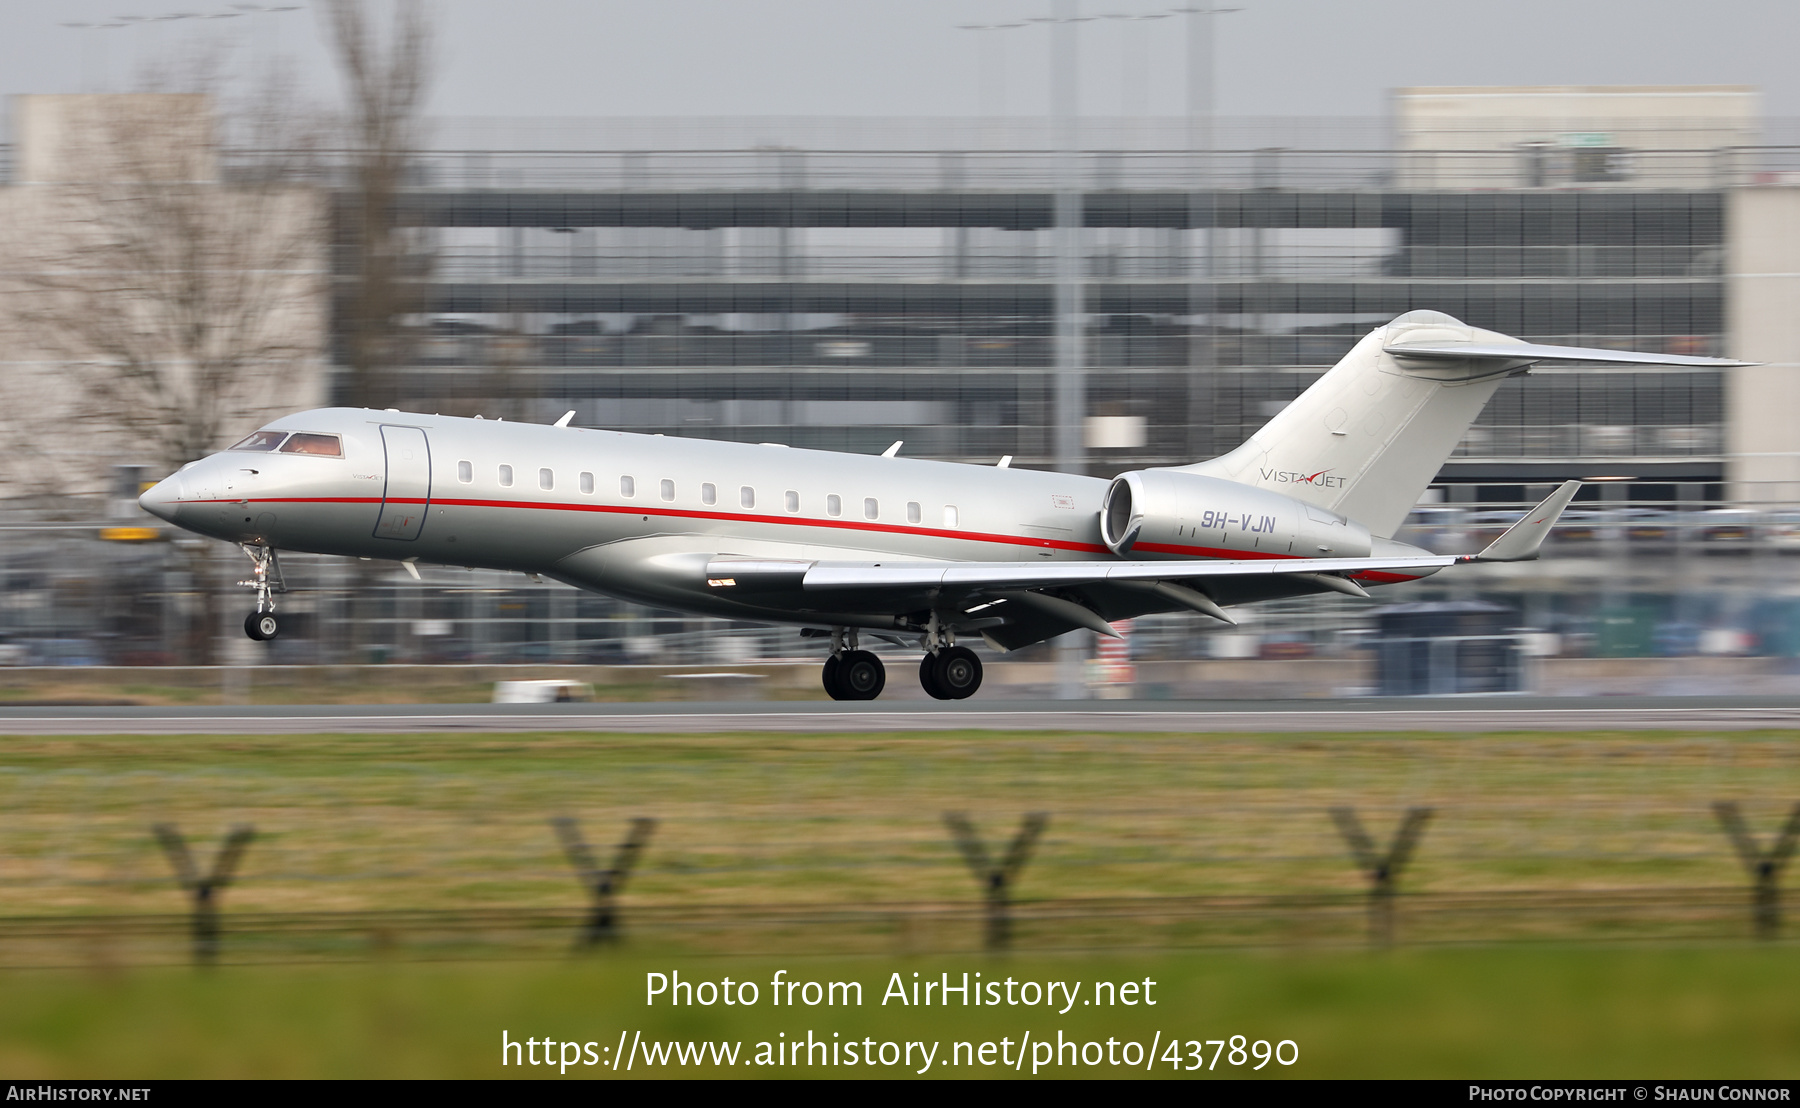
<point x="793" y="521"/>
<point x="679" y="513"/>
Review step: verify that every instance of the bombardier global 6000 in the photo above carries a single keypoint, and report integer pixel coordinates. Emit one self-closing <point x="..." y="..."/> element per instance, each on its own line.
<point x="885" y="547"/>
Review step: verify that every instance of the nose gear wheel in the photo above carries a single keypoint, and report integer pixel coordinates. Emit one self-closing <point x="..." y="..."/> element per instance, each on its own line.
<point x="261" y="624"/>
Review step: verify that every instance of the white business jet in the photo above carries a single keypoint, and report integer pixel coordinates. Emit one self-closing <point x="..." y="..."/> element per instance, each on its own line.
<point x="891" y="548"/>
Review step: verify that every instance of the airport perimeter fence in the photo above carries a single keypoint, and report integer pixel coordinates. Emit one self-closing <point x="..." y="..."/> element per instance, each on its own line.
<point x="995" y="915"/>
<point x="71" y="597"/>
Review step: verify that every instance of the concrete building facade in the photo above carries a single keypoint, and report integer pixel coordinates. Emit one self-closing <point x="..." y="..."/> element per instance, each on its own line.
<point x="154" y="298"/>
<point x="1763" y="298"/>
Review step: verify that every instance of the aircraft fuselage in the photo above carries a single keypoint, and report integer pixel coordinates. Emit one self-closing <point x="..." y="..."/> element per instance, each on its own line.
<point x="637" y="516"/>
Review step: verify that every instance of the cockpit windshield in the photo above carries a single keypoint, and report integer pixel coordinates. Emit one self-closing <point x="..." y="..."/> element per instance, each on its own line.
<point x="263" y="441"/>
<point x="324" y="446"/>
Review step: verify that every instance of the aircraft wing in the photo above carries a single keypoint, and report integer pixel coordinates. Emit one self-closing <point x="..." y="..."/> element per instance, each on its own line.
<point x="1031" y="616"/>
<point x="1039" y="575"/>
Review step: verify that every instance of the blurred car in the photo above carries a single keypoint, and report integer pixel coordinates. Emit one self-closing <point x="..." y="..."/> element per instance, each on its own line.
<point x="1727" y="530"/>
<point x="1438" y="528"/>
<point x="1578" y="525"/>
<point x="1676" y="639"/>
<point x="1649" y="525"/>
<point x="1485" y="527"/>
<point x="1782" y="533"/>
<point x="1285" y="649"/>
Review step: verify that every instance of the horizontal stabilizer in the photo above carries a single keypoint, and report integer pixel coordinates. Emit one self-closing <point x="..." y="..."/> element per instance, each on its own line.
<point x="1531" y="352"/>
<point x="1521" y="541"/>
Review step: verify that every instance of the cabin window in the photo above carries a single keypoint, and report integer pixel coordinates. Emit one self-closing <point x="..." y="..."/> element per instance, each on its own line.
<point x="871" y="508"/>
<point x="913" y="514"/>
<point x="747" y="496"/>
<point x="793" y="501"/>
<point x="627" y="487"/>
<point x="834" y="505"/>
<point x="949" y="515"/>
<point x="262" y="441"/>
<point x="506" y="477"/>
<point x="465" y="472"/>
<point x="667" y="490"/>
<point x="587" y="483"/>
<point x="546" y="479"/>
<point x="323" y="446"/>
<point x="709" y="493"/>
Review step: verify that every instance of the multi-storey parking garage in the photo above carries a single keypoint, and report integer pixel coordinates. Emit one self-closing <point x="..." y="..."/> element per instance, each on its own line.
<point x="848" y="300"/>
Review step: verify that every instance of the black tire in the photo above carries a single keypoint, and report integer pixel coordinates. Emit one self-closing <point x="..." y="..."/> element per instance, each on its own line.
<point x="830" y="677"/>
<point x="861" y="676"/>
<point x="958" y="672"/>
<point x="928" y="667"/>
<point x="250" y="626"/>
<point x="262" y="626"/>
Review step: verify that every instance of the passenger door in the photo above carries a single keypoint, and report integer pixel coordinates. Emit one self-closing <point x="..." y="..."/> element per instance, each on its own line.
<point x="407" y="496"/>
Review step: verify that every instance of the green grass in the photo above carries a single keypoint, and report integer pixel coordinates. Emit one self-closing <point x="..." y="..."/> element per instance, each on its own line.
<point x="377" y="685"/>
<point x="452" y="821"/>
<point x="1457" y="1012"/>
<point x="439" y="821"/>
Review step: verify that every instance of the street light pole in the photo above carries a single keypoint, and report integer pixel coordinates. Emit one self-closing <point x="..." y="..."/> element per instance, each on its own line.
<point x="1070" y="355"/>
<point x="1202" y="216"/>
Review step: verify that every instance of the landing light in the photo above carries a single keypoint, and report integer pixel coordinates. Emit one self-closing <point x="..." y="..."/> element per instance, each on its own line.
<point x="721" y="582"/>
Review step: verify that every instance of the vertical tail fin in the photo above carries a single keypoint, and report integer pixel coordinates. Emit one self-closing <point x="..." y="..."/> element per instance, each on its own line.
<point x="1368" y="437"/>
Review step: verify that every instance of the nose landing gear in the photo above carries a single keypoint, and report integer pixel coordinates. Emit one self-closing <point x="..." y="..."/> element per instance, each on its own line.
<point x="261" y="624"/>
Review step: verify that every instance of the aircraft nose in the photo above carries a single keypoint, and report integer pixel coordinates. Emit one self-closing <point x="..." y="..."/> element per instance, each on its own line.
<point x="163" y="499"/>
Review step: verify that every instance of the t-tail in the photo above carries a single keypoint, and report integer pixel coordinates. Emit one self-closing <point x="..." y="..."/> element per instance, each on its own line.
<point x="1368" y="437"/>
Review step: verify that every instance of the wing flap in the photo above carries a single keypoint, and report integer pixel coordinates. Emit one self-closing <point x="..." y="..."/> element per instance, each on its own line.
<point x="1034" y="575"/>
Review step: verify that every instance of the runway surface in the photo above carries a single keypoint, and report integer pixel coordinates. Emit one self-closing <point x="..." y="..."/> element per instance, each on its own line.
<point x="1172" y="716"/>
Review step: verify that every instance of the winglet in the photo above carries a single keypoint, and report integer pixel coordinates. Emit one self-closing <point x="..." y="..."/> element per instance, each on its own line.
<point x="566" y="417"/>
<point x="1521" y="541"/>
<point x="894" y="449"/>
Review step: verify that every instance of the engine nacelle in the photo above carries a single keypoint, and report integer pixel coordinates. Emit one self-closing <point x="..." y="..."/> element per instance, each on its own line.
<point x="1164" y="511"/>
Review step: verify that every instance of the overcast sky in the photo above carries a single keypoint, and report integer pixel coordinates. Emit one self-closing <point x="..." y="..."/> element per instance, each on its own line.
<point x="908" y="57"/>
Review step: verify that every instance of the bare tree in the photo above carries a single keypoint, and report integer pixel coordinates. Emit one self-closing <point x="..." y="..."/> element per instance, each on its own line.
<point x="162" y="287"/>
<point x="170" y="288"/>
<point x="382" y="261"/>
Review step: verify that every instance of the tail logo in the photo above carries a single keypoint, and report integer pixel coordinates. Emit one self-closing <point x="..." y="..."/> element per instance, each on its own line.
<point x="1321" y="479"/>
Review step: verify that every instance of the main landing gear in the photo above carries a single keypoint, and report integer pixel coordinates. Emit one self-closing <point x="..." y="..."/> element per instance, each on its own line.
<point x="261" y="624"/>
<point x="953" y="673"/>
<point x="947" y="672"/>
<point x="852" y="674"/>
